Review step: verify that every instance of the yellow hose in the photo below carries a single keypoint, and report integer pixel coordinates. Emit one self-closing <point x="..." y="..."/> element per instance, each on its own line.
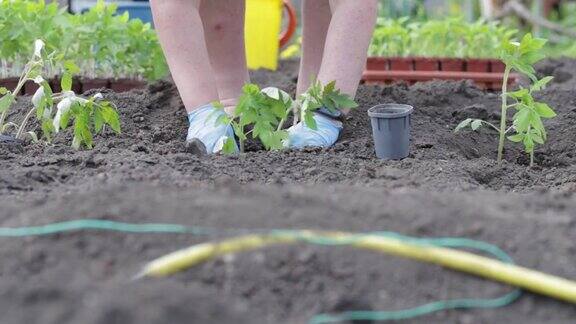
<point x="525" y="278"/>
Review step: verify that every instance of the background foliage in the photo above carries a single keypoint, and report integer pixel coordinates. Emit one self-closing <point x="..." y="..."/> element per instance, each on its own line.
<point x="102" y="43"/>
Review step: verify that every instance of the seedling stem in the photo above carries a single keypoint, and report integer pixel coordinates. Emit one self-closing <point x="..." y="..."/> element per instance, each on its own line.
<point x="503" y="118"/>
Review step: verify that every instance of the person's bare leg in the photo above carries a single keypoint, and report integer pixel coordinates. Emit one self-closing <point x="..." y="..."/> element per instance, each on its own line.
<point x="349" y="36"/>
<point x="224" y="32"/>
<point x="316" y="17"/>
<point x="181" y="34"/>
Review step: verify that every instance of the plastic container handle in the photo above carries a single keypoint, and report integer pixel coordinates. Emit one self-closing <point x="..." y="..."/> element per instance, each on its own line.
<point x="292" y="23"/>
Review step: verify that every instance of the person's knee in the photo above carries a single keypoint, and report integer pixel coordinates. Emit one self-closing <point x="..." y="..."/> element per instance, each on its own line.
<point x="218" y="25"/>
<point x="222" y="21"/>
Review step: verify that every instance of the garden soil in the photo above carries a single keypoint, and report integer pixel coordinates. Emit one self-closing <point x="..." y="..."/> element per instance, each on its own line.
<point x="450" y="185"/>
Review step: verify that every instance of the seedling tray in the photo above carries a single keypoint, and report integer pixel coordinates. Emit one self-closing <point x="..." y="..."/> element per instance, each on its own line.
<point x="486" y="73"/>
<point x="79" y="85"/>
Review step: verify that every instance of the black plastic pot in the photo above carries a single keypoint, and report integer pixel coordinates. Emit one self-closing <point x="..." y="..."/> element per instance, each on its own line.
<point x="391" y="130"/>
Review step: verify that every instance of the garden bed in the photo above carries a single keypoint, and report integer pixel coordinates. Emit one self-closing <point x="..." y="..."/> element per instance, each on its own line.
<point x="449" y="186"/>
<point x="485" y="73"/>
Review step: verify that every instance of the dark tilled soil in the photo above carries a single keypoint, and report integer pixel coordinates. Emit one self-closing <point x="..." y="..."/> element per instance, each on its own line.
<point x="449" y="186"/>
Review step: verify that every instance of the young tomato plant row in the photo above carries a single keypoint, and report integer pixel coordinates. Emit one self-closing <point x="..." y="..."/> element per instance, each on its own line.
<point x="262" y="114"/>
<point x="527" y="126"/>
<point x="87" y="115"/>
<point x="452" y="37"/>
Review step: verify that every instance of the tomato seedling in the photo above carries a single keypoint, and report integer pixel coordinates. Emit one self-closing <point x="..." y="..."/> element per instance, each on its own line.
<point x="263" y="111"/>
<point x="527" y="121"/>
<point x="261" y="114"/>
<point x="318" y="96"/>
<point x="88" y="114"/>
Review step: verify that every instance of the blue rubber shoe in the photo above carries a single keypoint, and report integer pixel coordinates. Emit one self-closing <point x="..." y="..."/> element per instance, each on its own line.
<point x="205" y="136"/>
<point x="327" y="133"/>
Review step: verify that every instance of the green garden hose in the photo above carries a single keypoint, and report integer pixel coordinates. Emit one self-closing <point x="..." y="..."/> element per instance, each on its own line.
<point x="105" y="225"/>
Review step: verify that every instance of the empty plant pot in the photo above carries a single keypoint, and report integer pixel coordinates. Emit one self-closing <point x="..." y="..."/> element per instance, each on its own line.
<point x="497" y="66"/>
<point x="391" y="130"/>
<point x="426" y="64"/>
<point x="452" y="64"/>
<point x="401" y="64"/>
<point x="377" y="63"/>
<point x="477" y="65"/>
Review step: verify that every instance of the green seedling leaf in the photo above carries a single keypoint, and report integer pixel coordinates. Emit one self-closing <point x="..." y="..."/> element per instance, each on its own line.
<point x="334" y="100"/>
<point x="110" y="116"/>
<point x="82" y="129"/>
<point x="463" y="124"/>
<point x="476" y="124"/>
<point x="66" y="82"/>
<point x="310" y="121"/>
<point x="522" y="120"/>
<point x="518" y="94"/>
<point x="223" y="119"/>
<point x="541" y="84"/>
<point x="47" y="129"/>
<point x="544" y="110"/>
<point x="516" y="138"/>
<point x="6" y="102"/>
<point x="229" y="146"/>
<point x="3" y="91"/>
<point x="537" y="137"/>
<point x="64" y="120"/>
<point x="528" y="144"/>
<point x="71" y="67"/>
<point x="239" y="131"/>
<point x="98" y="120"/>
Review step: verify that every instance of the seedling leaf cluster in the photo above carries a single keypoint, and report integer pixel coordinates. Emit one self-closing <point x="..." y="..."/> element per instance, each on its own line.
<point x="261" y="114"/>
<point x="87" y="116"/>
<point x="527" y="125"/>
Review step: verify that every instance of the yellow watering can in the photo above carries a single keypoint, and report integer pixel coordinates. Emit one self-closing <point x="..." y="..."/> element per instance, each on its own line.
<point x="263" y="24"/>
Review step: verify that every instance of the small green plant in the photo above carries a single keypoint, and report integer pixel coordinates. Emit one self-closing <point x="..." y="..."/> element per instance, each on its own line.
<point x="262" y="114"/>
<point x="318" y="96"/>
<point x="527" y="121"/>
<point x="264" y="111"/>
<point x="88" y="115"/>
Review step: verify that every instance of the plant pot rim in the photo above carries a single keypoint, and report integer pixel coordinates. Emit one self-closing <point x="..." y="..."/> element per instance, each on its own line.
<point x="390" y="111"/>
